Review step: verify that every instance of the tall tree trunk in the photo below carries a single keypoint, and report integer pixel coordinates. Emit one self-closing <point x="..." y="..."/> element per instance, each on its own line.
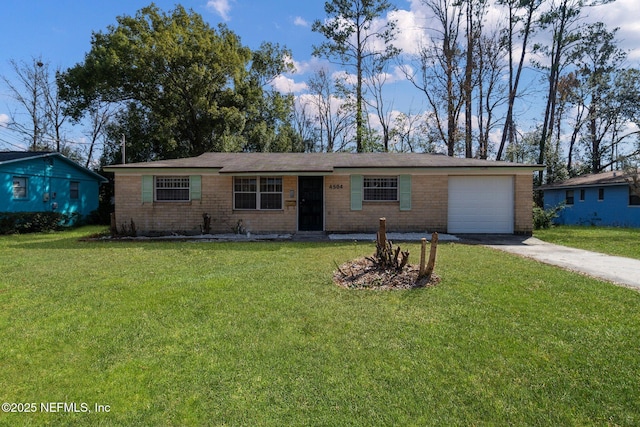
<point x="509" y="129"/>
<point x="468" y="89"/>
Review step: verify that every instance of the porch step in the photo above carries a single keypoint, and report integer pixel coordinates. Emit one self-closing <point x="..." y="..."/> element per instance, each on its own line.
<point x="310" y="236"/>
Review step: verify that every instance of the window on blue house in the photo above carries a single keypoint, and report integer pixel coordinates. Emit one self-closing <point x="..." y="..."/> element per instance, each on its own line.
<point x="634" y="197"/>
<point x="600" y="194"/>
<point x="20" y="187"/>
<point x="582" y="195"/>
<point x="74" y="190"/>
<point x="568" y="199"/>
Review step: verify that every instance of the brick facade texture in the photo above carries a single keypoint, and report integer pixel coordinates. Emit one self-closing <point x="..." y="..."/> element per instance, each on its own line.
<point x="429" y="199"/>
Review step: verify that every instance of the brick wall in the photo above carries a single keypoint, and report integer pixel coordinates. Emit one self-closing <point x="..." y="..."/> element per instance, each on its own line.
<point x="428" y="207"/>
<point x="186" y="217"/>
<point x="523" y="210"/>
<point x="429" y="198"/>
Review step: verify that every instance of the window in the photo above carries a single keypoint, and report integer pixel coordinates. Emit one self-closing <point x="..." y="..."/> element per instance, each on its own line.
<point x="244" y="193"/>
<point x="600" y="194"/>
<point x="247" y="194"/>
<point x="634" y="198"/>
<point x="380" y="189"/>
<point x="270" y="193"/>
<point x="74" y="193"/>
<point x="172" y="188"/>
<point x="582" y="195"/>
<point x="568" y="199"/>
<point x="19" y="187"/>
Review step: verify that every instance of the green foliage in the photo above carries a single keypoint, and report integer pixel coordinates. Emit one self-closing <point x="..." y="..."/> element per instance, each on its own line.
<point x="32" y="222"/>
<point x="543" y="218"/>
<point x="183" y="87"/>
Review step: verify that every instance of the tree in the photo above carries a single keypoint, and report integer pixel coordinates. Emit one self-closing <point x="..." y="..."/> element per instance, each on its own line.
<point x="303" y="123"/>
<point x="352" y="39"/>
<point x="528" y="8"/>
<point x="563" y="18"/>
<point x="491" y="88"/>
<point x="181" y="86"/>
<point x="601" y="61"/>
<point x="333" y="116"/>
<point x="474" y="15"/>
<point x="31" y="91"/>
<point x="440" y="76"/>
<point x="378" y="75"/>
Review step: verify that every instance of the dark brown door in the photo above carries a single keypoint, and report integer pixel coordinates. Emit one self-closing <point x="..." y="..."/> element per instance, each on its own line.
<point x="310" y="203"/>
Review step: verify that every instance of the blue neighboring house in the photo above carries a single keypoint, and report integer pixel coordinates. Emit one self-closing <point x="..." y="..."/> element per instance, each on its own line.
<point x="597" y="199"/>
<point x="44" y="181"/>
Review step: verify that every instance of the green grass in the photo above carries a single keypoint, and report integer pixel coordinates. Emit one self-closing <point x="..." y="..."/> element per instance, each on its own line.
<point x="177" y="333"/>
<point x="609" y="240"/>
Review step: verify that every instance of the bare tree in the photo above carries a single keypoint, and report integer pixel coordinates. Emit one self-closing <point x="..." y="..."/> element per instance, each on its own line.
<point x="99" y="116"/>
<point x="439" y="74"/>
<point x="521" y="22"/>
<point x="30" y="91"/>
<point x="334" y="117"/>
<point x="378" y="75"/>
<point x="491" y="88"/>
<point x="304" y="125"/>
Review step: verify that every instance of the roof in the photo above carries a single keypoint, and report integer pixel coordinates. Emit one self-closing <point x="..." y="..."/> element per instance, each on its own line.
<point x="233" y="163"/>
<point x="7" y="157"/>
<point x="602" y="179"/>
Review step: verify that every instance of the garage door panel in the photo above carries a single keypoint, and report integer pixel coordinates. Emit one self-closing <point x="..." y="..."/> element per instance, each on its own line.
<point x="481" y="204"/>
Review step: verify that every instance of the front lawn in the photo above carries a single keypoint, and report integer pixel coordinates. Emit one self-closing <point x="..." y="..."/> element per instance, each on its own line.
<point x="609" y="240"/>
<point x="179" y="333"/>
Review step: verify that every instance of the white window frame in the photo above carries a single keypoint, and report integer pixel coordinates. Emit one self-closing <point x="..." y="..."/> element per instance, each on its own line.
<point x="178" y="185"/>
<point x="22" y="187"/>
<point x="264" y="185"/>
<point x="374" y="188"/>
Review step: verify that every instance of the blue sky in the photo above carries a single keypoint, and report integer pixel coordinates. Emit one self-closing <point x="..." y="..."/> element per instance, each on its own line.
<point x="60" y="32"/>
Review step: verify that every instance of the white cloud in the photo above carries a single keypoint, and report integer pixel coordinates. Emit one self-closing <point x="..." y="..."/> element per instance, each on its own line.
<point x="221" y="7"/>
<point x="411" y="34"/>
<point x="287" y="85"/>
<point x="4" y="120"/>
<point x="300" y="22"/>
<point x="344" y="76"/>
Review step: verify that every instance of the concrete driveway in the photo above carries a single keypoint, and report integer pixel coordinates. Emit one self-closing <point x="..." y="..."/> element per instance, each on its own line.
<point x="619" y="270"/>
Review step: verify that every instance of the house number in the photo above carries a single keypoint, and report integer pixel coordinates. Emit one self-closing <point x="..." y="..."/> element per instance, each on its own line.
<point x="335" y="187"/>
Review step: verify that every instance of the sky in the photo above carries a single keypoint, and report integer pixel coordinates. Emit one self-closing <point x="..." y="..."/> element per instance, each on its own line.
<point x="59" y="31"/>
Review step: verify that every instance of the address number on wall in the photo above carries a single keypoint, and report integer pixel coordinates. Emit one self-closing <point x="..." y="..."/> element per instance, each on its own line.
<point x="335" y="186"/>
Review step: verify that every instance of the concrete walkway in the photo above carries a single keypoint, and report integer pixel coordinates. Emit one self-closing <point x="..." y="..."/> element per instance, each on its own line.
<point x="619" y="270"/>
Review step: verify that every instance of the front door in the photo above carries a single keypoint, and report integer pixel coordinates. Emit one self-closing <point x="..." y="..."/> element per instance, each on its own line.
<point x="310" y="203"/>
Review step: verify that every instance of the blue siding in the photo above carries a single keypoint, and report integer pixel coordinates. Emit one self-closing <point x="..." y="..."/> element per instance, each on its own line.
<point x="614" y="210"/>
<point x="50" y="176"/>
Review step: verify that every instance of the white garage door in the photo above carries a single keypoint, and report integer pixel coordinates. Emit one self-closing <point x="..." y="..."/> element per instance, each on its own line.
<point x="480" y="204"/>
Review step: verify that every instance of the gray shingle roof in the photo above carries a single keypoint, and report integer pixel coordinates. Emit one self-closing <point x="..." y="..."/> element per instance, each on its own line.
<point x="590" y="180"/>
<point x="317" y="162"/>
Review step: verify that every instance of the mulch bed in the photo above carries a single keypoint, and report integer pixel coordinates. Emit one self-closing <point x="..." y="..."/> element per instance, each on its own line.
<point x="362" y="273"/>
